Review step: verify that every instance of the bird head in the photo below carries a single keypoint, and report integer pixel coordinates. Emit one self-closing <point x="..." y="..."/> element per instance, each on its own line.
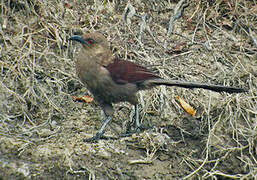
<point x="91" y="41"/>
<point x="95" y="47"/>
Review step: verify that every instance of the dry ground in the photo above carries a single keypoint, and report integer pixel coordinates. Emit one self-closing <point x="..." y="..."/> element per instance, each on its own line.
<point x="42" y="128"/>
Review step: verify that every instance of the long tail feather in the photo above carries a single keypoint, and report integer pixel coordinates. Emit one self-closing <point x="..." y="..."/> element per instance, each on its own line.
<point x="191" y="85"/>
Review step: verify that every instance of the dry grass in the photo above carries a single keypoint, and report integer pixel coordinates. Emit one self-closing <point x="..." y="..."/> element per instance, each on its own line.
<point x="41" y="128"/>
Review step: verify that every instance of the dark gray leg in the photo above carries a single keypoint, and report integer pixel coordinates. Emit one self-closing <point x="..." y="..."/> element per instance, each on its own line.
<point x="137" y="116"/>
<point x="139" y="127"/>
<point x="101" y="131"/>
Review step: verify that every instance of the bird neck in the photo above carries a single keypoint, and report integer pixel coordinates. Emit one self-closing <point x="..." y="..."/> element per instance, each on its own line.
<point x="99" y="55"/>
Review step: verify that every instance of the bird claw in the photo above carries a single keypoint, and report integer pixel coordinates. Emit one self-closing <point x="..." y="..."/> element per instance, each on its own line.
<point x="139" y="129"/>
<point x="95" y="138"/>
<point x="98" y="137"/>
<point x="143" y="128"/>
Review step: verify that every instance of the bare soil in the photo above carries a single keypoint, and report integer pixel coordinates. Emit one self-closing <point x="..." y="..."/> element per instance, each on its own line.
<point x="42" y="130"/>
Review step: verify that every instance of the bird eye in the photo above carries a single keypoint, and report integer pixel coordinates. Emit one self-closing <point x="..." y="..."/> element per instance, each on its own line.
<point x="91" y="41"/>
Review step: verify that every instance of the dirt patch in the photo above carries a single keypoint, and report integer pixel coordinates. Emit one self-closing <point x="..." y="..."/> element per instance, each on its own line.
<point x="42" y="129"/>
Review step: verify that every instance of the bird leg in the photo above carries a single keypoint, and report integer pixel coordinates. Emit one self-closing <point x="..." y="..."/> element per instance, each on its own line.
<point x="137" y="116"/>
<point x="101" y="131"/>
<point x="138" y="126"/>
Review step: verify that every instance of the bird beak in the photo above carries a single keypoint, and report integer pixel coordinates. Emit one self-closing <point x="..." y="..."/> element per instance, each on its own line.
<point x="79" y="39"/>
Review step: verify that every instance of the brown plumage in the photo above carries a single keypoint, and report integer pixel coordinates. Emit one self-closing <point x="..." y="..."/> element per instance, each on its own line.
<point x="112" y="80"/>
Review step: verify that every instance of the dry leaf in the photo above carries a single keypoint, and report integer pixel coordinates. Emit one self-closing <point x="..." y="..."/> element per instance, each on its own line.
<point x="189" y="25"/>
<point x="179" y="48"/>
<point x="86" y="99"/>
<point x="189" y="109"/>
<point x="68" y="5"/>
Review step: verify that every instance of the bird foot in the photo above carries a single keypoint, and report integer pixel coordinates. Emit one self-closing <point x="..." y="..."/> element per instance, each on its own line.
<point x="95" y="138"/>
<point x="143" y="128"/>
<point x="98" y="137"/>
<point x="139" y="129"/>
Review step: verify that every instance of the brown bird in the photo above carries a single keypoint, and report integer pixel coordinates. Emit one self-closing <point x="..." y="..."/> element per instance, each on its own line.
<point x="112" y="80"/>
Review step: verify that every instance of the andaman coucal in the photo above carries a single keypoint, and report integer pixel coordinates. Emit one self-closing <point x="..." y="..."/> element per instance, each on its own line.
<point x="112" y="80"/>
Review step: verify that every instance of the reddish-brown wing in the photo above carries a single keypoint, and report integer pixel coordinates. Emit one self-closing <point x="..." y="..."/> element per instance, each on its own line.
<point x="123" y="72"/>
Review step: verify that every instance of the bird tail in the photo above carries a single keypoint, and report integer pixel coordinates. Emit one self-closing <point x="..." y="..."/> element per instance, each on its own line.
<point x="191" y="85"/>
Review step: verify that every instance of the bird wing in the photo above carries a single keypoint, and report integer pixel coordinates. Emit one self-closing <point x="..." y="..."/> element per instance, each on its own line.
<point x="123" y="72"/>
